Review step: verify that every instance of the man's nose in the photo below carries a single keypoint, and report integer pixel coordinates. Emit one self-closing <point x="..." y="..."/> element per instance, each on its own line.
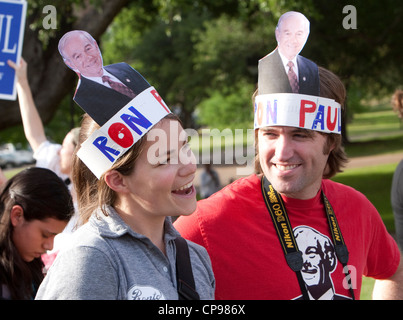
<point x="87" y="57"/>
<point x="284" y="150"/>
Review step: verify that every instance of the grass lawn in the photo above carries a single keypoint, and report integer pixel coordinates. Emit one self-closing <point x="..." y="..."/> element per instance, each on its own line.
<point x="12" y="172"/>
<point x="366" y="288"/>
<point x="370" y="125"/>
<point x="373" y="133"/>
<point x="375" y="183"/>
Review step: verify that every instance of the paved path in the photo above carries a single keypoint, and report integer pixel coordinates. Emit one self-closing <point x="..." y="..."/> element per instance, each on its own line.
<point x="229" y="173"/>
<point x="360" y="162"/>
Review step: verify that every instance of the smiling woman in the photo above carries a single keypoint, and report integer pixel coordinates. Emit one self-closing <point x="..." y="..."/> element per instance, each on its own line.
<point x="128" y="239"/>
<point x="133" y="170"/>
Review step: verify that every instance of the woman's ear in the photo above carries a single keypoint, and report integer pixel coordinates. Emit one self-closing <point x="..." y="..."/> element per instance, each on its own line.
<point x="115" y="181"/>
<point x="17" y="215"/>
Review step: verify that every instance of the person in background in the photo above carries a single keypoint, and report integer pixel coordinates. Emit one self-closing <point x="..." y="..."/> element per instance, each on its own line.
<point x="35" y="205"/>
<point x="53" y="156"/>
<point x="3" y="178"/>
<point x="209" y="181"/>
<point x="396" y="194"/>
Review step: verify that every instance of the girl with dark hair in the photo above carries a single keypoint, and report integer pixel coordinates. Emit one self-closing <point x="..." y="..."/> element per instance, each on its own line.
<point x="35" y="205"/>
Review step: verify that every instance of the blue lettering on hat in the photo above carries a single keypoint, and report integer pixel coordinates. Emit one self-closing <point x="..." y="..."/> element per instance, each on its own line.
<point x="140" y="120"/>
<point x="100" y="143"/>
<point x="320" y="118"/>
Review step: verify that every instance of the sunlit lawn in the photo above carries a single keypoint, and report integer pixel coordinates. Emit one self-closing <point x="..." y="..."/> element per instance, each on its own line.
<point x="371" y="134"/>
<point x="375" y="182"/>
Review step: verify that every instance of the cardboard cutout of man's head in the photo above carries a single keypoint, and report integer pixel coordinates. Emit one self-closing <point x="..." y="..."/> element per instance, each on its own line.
<point x="101" y="90"/>
<point x="292" y="32"/>
<point x="288" y="83"/>
<point x="81" y="53"/>
<point x="116" y="96"/>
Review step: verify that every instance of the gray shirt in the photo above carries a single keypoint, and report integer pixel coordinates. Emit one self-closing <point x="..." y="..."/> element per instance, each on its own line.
<point x="108" y="260"/>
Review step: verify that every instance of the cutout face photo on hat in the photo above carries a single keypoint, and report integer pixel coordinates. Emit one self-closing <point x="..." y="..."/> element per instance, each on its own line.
<point x="102" y="90"/>
<point x="288" y="84"/>
<point x="284" y="70"/>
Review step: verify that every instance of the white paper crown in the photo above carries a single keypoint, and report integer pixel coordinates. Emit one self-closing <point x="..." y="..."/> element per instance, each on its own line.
<point x="297" y="110"/>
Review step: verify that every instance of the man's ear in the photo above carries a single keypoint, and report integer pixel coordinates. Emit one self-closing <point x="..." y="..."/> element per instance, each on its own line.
<point x="115" y="181"/>
<point x="17" y="215"/>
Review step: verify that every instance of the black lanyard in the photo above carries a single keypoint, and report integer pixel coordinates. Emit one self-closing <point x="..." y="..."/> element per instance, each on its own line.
<point x="293" y="256"/>
<point x="184" y="274"/>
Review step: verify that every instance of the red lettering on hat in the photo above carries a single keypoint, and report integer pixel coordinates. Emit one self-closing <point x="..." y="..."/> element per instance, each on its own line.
<point x="306" y="106"/>
<point x="331" y="124"/>
<point x="159" y="99"/>
<point x="121" y="135"/>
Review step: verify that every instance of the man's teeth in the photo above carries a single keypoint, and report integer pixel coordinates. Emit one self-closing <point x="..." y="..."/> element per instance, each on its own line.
<point x="186" y="186"/>
<point x="284" y="168"/>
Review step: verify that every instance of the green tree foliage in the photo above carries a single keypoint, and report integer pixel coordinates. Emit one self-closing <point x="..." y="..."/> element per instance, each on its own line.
<point x="202" y="55"/>
<point x="191" y="50"/>
<point x="195" y="51"/>
<point x="229" y="109"/>
<point x="227" y="53"/>
<point x="368" y="57"/>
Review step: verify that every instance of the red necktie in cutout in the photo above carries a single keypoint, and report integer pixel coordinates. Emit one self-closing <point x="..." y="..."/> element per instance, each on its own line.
<point x="121" y="88"/>
<point x="292" y="77"/>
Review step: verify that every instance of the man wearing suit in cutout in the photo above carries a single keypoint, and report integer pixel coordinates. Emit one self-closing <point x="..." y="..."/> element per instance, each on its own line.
<point x="291" y="34"/>
<point x="94" y="92"/>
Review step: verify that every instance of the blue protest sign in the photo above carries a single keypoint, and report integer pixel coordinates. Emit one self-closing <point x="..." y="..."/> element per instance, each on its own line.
<point x="12" y="23"/>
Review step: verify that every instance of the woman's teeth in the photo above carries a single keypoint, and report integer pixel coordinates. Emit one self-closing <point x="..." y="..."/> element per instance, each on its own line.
<point x="184" y="190"/>
<point x="186" y="186"/>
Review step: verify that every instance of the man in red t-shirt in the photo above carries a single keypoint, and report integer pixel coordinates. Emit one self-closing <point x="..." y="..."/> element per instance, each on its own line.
<point x="245" y="230"/>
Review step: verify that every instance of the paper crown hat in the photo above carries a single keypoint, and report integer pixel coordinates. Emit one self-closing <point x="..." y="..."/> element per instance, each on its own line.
<point x="288" y="84"/>
<point x="116" y="97"/>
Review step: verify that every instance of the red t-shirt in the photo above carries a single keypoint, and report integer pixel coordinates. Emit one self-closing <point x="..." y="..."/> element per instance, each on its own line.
<point x="235" y="227"/>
